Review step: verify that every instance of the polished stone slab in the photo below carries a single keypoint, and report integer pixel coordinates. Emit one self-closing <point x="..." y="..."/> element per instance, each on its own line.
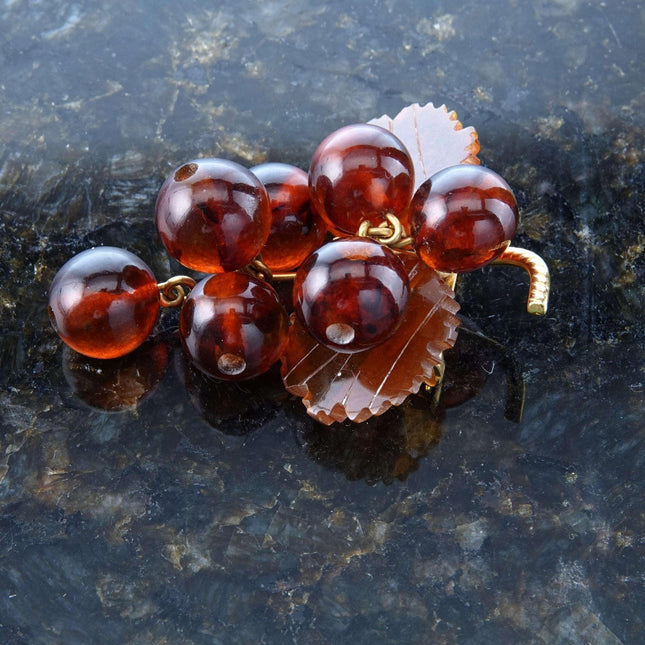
<point x="213" y="513"/>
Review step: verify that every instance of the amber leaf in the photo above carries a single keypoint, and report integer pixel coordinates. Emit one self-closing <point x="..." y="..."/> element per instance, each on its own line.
<point x="335" y="387"/>
<point x="434" y="138"/>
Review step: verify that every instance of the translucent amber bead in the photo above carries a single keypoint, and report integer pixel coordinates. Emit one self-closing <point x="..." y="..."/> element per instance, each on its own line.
<point x="213" y="215"/>
<point x="233" y="326"/>
<point x="463" y="218"/>
<point x="296" y="230"/>
<point x="104" y="302"/>
<point x="350" y="294"/>
<point x="360" y="173"/>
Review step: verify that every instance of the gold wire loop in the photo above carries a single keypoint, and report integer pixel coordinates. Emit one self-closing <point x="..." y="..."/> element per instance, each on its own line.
<point x="397" y="230"/>
<point x="172" y="292"/>
<point x="259" y="269"/>
<point x="364" y="229"/>
<point x="389" y="232"/>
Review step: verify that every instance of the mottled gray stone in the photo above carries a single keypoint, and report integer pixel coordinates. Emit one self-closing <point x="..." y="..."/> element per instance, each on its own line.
<point x="210" y="513"/>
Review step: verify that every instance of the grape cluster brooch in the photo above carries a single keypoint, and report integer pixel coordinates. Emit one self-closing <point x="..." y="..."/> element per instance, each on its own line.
<point x="373" y="237"/>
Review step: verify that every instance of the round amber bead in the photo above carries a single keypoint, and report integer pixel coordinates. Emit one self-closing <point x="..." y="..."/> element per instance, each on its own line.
<point x="213" y="215"/>
<point x="360" y="173"/>
<point x="350" y="294"/>
<point x="463" y="218"/>
<point x="104" y="302"/>
<point x="233" y="326"/>
<point x="296" y="230"/>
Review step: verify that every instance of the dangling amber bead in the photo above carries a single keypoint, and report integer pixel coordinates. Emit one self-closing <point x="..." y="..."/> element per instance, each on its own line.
<point x="104" y="302"/>
<point x="233" y="326"/>
<point x="463" y="217"/>
<point x="213" y="215"/>
<point x="296" y="229"/>
<point x="351" y="293"/>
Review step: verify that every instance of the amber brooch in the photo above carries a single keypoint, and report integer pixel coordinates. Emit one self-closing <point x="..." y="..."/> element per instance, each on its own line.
<point x="373" y="237"/>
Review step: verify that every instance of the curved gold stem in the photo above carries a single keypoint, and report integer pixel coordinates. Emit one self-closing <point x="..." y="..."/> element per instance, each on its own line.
<point x="540" y="280"/>
<point x="259" y="269"/>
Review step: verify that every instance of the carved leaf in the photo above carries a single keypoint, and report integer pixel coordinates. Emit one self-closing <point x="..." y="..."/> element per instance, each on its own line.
<point x="335" y="387"/>
<point x="434" y="138"/>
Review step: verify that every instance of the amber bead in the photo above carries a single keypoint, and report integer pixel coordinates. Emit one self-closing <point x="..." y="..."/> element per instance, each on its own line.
<point x="350" y="294"/>
<point x="360" y="173"/>
<point x="296" y="230"/>
<point x="233" y="326"/>
<point x="213" y="215"/>
<point x="463" y="218"/>
<point x="104" y="302"/>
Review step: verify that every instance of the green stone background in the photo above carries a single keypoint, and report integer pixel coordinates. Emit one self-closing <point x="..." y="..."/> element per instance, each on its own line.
<point x="222" y="514"/>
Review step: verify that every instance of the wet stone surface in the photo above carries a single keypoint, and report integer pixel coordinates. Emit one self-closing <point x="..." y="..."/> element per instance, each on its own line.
<point x="220" y="513"/>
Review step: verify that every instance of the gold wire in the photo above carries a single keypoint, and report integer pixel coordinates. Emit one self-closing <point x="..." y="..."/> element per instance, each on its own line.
<point x="284" y="277"/>
<point x="389" y="232"/>
<point x="258" y="268"/>
<point x="539" y="277"/>
<point x="172" y="292"/>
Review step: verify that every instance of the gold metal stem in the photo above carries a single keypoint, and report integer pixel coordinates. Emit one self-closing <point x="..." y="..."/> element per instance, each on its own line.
<point x="540" y="280"/>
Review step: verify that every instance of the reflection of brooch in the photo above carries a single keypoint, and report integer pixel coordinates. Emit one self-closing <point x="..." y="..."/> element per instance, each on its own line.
<point x="409" y="207"/>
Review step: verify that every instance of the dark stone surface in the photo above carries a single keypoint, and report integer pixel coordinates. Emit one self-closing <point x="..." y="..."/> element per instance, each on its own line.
<point x="213" y="513"/>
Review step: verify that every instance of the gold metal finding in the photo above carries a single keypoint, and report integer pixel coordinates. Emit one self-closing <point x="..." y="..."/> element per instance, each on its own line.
<point x="258" y="268"/>
<point x="450" y="279"/>
<point x="539" y="277"/>
<point x="434" y="382"/>
<point x="172" y="292"/>
<point x="389" y="232"/>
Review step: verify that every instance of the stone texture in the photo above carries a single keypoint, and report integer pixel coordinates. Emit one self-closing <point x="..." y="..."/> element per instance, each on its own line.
<point x="221" y="513"/>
